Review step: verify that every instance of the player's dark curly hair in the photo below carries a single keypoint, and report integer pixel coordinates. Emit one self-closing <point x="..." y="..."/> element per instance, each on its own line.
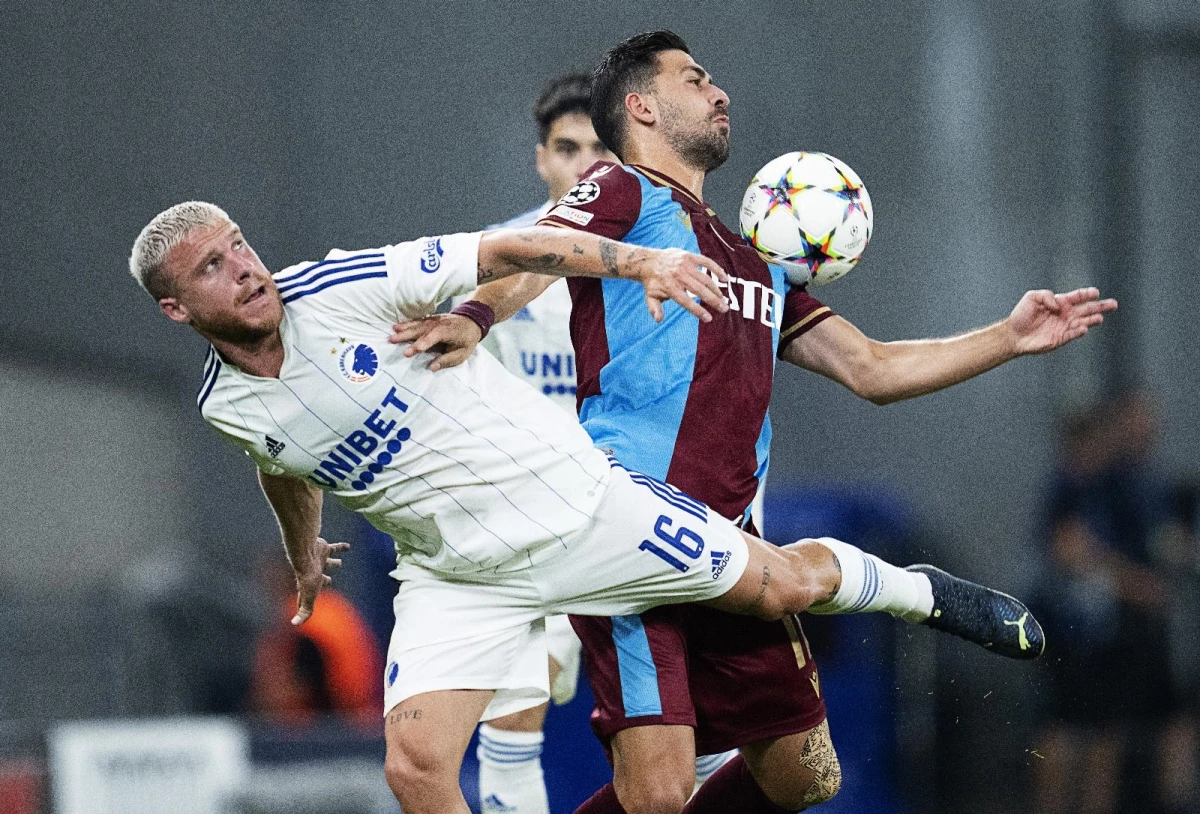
<point x="628" y="68"/>
<point x="566" y="94"/>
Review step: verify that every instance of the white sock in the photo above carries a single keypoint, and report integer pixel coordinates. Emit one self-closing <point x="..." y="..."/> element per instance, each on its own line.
<point x="510" y="772"/>
<point x="869" y="584"/>
<point x="707" y="765"/>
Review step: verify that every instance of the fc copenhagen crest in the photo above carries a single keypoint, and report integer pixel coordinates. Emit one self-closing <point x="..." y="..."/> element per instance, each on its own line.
<point x="358" y="363"/>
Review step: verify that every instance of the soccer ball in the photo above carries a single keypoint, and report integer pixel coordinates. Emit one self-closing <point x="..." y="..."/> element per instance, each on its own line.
<point x="810" y="213"/>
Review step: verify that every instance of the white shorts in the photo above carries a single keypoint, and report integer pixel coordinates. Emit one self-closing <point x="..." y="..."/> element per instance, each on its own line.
<point x="648" y="544"/>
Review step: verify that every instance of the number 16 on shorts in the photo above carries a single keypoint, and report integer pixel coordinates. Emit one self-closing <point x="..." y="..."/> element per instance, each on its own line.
<point x="681" y="541"/>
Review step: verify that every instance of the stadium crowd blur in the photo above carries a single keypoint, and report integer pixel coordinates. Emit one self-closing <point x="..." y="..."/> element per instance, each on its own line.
<point x="1120" y="599"/>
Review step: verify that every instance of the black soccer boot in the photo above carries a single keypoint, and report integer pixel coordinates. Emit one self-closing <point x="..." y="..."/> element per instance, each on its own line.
<point x="982" y="615"/>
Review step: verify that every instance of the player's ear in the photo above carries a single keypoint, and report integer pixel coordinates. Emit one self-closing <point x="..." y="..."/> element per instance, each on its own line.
<point x="641" y="107"/>
<point x="174" y="310"/>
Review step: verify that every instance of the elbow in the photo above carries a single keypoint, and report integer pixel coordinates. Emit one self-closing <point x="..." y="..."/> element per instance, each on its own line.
<point x="869" y="385"/>
<point x="873" y="378"/>
<point x="880" y="398"/>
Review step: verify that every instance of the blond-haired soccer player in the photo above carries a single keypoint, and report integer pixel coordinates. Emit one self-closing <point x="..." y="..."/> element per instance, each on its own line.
<point x="502" y="511"/>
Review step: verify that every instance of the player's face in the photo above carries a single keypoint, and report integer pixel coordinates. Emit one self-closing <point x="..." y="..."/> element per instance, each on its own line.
<point x="220" y="287"/>
<point x="571" y="147"/>
<point x="694" y="112"/>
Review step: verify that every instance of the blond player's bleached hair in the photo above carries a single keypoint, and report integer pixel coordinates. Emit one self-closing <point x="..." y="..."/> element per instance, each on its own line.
<point x="164" y="233"/>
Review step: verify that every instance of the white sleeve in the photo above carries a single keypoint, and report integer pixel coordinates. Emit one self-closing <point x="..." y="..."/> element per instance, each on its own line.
<point x="425" y="272"/>
<point x="230" y="433"/>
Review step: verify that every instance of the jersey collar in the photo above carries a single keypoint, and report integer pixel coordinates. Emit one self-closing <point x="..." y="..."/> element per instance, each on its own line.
<point x="664" y="180"/>
<point x="285" y="335"/>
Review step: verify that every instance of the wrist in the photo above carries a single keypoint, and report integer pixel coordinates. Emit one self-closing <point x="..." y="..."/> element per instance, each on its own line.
<point x="1011" y="339"/>
<point x="478" y="312"/>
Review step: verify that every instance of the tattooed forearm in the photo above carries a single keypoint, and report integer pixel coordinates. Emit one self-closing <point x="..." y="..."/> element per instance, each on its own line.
<point x="544" y="262"/>
<point x="608" y="256"/>
<point x="577" y="250"/>
<point x="762" y="588"/>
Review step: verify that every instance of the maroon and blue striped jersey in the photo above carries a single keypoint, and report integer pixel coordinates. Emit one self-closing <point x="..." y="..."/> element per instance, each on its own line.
<point x="682" y="401"/>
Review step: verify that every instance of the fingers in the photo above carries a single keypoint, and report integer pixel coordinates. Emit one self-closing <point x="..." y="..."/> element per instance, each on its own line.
<point x="655" y="306"/>
<point x="450" y="359"/>
<point x="712" y="266"/>
<point x="434" y="336"/>
<point x="1079" y="295"/>
<point x="709" y="293"/>
<point x="339" y="546"/>
<point x="1048" y="301"/>
<point x="684" y="298"/>
<point x="304" y="607"/>
<point x="408" y="331"/>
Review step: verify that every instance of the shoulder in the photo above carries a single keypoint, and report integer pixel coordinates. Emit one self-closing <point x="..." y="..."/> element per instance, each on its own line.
<point x="607" y="201"/>
<point x="338" y="268"/>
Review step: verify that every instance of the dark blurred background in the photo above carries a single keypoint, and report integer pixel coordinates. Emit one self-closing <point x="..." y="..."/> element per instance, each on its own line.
<point x="1006" y="147"/>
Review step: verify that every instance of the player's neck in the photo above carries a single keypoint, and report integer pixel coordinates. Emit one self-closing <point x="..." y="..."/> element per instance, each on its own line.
<point x="661" y="158"/>
<point x="262" y="357"/>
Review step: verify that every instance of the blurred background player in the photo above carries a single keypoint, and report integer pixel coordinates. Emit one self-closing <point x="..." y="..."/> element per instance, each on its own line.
<point x="662" y="680"/>
<point x="1121" y="565"/>
<point x="535" y="345"/>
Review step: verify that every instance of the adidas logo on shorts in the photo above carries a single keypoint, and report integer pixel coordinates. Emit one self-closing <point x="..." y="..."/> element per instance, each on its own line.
<point x="720" y="559"/>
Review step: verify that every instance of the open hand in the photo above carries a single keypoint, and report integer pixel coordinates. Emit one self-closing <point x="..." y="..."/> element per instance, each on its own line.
<point x="1043" y="320"/>
<point x="311" y="577"/>
<point x="673" y="274"/>
<point x="457" y="335"/>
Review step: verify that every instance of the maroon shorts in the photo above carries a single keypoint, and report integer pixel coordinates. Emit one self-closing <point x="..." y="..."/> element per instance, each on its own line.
<point x="734" y="679"/>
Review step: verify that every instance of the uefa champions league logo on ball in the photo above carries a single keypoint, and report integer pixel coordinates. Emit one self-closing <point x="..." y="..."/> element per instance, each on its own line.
<point x="358" y="363"/>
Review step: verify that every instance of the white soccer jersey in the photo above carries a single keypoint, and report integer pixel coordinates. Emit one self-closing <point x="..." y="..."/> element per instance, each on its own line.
<point x="465" y="468"/>
<point x="535" y="343"/>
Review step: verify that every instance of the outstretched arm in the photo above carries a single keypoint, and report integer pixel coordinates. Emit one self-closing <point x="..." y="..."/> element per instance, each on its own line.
<point x="883" y="372"/>
<point x="518" y="264"/>
<point x="667" y="274"/>
<point x="297" y="507"/>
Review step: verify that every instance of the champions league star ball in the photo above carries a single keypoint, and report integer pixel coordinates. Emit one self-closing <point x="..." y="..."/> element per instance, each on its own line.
<point x="810" y="213"/>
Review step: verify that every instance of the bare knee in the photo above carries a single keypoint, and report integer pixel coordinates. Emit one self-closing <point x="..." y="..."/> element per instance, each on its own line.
<point x="417" y="778"/>
<point x="794" y="589"/>
<point x="654" y="768"/>
<point x="780" y="581"/>
<point x="663" y="796"/>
